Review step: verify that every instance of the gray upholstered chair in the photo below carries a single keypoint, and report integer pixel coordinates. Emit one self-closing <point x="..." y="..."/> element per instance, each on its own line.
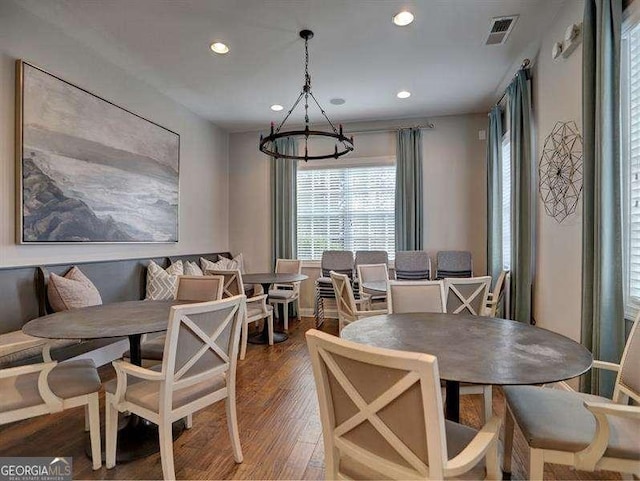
<point x="49" y="387"/>
<point x="198" y="370"/>
<point x="415" y="296"/>
<point x="467" y="296"/>
<point x="285" y="294"/>
<point x="453" y="264"/>
<point x="336" y="261"/>
<point x="382" y="417"/>
<point x="588" y="432"/>
<point x="412" y="265"/>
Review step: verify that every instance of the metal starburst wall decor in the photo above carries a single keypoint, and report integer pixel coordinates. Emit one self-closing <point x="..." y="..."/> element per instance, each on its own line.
<point x="560" y="170"/>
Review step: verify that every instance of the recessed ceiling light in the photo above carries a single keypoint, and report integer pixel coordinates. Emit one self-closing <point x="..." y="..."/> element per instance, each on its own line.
<point x="276" y="107"/>
<point x="219" y="48"/>
<point x="403" y="94"/>
<point x="402" y="19"/>
<point x="337" y="101"/>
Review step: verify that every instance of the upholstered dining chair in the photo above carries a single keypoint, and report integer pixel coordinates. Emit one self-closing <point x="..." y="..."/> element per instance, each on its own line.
<point x="346" y="303"/>
<point x="50" y="387"/>
<point x="382" y="417"/>
<point x="412" y="265"/>
<point x="415" y="296"/>
<point x="588" y="432"/>
<point x="365" y="258"/>
<point x="453" y="264"/>
<point x="372" y="272"/>
<point x="198" y="369"/>
<point x="495" y="298"/>
<point x="192" y="289"/>
<point x="257" y="307"/>
<point x="285" y="294"/>
<point x="467" y="296"/>
<point x="337" y="261"/>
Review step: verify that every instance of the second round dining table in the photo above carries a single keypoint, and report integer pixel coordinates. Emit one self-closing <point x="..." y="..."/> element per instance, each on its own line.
<point x="476" y="350"/>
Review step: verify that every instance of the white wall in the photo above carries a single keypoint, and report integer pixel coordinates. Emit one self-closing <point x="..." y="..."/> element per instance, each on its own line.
<point x="203" y="153"/>
<point x="454" y="186"/>
<point x="557" y="96"/>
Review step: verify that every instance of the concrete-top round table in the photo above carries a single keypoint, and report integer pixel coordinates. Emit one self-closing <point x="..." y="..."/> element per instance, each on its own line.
<point x="131" y="318"/>
<point x="266" y="280"/>
<point x="477" y="350"/>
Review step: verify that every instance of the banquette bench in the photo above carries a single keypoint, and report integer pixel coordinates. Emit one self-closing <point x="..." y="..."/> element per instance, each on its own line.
<point x="23" y="297"/>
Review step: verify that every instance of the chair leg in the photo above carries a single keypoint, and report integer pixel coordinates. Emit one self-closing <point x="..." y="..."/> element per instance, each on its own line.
<point x="166" y="450"/>
<point x="94" y="429"/>
<point x="492" y="459"/>
<point x="285" y="311"/>
<point x="189" y="421"/>
<point x="269" y="321"/>
<point x="111" y="428"/>
<point x="245" y="339"/>
<point x="508" y="440"/>
<point x="232" y="423"/>
<point x="86" y="418"/>
<point x="536" y="465"/>
<point x="487" y="401"/>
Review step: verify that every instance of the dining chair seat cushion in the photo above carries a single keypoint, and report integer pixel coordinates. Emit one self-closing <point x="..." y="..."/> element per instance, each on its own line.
<point x="152" y="350"/>
<point x="281" y="294"/>
<point x="17" y="346"/>
<point x="256" y="310"/>
<point x="458" y="437"/>
<point x="67" y="380"/>
<point x="147" y="393"/>
<point x="555" y="419"/>
<point x="71" y="291"/>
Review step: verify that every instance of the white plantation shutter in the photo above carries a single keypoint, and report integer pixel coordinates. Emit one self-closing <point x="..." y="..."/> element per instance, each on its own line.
<point x="506" y="203"/>
<point x="350" y="208"/>
<point x="631" y="149"/>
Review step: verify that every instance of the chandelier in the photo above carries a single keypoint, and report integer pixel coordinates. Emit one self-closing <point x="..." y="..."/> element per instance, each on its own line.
<point x="343" y="145"/>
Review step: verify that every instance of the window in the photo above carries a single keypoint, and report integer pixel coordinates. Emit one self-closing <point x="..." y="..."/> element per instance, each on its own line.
<point x="630" y="148"/>
<point x="506" y="202"/>
<point x="350" y="208"/>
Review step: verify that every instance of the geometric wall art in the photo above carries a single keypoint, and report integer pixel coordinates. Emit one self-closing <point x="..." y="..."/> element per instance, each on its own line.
<point x="89" y="170"/>
<point x="560" y="170"/>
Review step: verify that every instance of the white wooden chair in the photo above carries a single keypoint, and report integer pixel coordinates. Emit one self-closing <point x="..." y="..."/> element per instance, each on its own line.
<point x="346" y="303"/>
<point x="368" y="273"/>
<point x="285" y="294"/>
<point x="257" y="307"/>
<point x="382" y="417"/>
<point x="496" y="297"/>
<point x="585" y="431"/>
<point x="50" y="387"/>
<point x="190" y="288"/>
<point x="467" y="296"/>
<point x="415" y="296"/>
<point x="198" y="369"/>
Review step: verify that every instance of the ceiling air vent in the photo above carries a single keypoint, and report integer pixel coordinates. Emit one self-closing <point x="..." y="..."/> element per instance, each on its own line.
<point x="500" y="29"/>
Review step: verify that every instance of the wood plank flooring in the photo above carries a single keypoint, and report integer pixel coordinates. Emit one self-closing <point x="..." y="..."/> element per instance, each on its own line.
<point x="280" y="429"/>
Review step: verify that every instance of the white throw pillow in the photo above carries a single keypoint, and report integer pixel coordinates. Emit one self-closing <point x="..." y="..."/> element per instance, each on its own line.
<point x="223" y="264"/>
<point x="162" y="285"/>
<point x="192" y="269"/>
<point x="72" y="291"/>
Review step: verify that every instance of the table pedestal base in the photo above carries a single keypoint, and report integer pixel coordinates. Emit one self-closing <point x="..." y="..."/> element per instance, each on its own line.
<point x="263" y="337"/>
<point x="452" y="407"/>
<point x="137" y="438"/>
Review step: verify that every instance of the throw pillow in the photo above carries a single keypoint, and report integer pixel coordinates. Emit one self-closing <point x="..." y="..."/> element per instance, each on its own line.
<point x="162" y="285"/>
<point x="223" y="264"/>
<point x="72" y="291"/>
<point x="192" y="269"/>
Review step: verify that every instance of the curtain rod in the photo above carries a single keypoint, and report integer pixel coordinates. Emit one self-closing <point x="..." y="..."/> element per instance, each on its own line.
<point x="428" y="126"/>
<point x="525" y="64"/>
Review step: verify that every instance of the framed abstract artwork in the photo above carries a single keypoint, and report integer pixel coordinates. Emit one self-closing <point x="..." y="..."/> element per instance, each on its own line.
<point x="89" y="170"/>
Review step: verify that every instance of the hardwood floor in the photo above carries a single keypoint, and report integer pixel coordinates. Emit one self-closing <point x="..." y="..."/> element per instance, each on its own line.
<point x="279" y="427"/>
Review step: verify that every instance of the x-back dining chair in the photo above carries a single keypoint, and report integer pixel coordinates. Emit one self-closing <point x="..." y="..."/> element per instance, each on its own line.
<point x="346" y="303"/>
<point x="467" y="296"/>
<point x="198" y="369"/>
<point x="285" y="294"/>
<point x="588" y="432"/>
<point x="257" y="307"/>
<point x="495" y="298"/>
<point x="415" y="296"/>
<point x="382" y="417"/>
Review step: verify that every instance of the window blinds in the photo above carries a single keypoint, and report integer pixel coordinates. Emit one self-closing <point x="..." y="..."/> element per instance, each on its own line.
<point x="350" y="208"/>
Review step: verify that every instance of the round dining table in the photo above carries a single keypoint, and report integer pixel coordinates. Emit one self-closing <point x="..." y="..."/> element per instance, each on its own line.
<point x="476" y="350"/>
<point x="266" y="280"/>
<point x="136" y="437"/>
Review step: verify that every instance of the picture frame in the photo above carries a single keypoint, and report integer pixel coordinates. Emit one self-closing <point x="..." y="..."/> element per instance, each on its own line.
<point x="89" y="170"/>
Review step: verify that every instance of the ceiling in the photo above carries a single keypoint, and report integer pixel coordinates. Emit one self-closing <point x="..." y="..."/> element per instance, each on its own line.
<point x="357" y="53"/>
